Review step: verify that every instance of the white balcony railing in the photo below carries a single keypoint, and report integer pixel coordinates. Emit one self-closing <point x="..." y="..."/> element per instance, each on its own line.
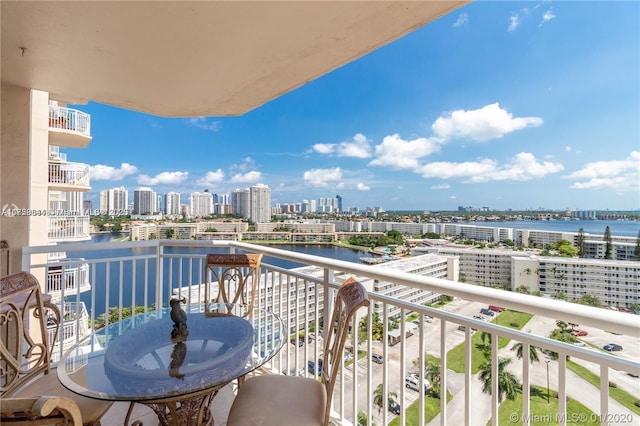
<point x="62" y="118"/>
<point x="68" y="276"/>
<point x="73" y="174"/>
<point x="66" y="228"/>
<point x="146" y="273"/>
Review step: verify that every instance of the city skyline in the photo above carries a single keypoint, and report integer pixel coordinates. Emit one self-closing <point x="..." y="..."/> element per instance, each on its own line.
<point x="509" y="105"/>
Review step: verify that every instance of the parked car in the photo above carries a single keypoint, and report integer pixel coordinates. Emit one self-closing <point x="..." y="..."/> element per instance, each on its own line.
<point x="612" y="347"/>
<point x="495" y="308"/>
<point x="579" y="333"/>
<point x="394" y="407"/>
<point x="480" y="317"/>
<point x="299" y="342"/>
<point x="486" y="311"/>
<point x="293" y="372"/>
<point x="412" y="381"/>
<point x="311" y="366"/>
<point x="377" y="358"/>
<point x="463" y="328"/>
<point x="428" y="318"/>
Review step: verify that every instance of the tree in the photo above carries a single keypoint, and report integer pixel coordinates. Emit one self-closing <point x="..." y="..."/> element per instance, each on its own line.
<point x="378" y="396"/>
<point x="523" y="289"/>
<point x="376" y="325"/>
<point x="362" y="418"/>
<point x="508" y="384"/>
<point x="590" y="300"/>
<point x="636" y="251"/>
<point x="608" y="250"/>
<point x="533" y="352"/>
<point x="432" y="373"/>
<point x="559" y="295"/>
<point x="581" y="243"/>
<point x="562" y="325"/>
<point x="169" y="233"/>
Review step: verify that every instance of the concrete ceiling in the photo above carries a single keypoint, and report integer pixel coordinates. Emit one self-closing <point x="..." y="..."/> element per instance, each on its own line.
<point x="200" y="58"/>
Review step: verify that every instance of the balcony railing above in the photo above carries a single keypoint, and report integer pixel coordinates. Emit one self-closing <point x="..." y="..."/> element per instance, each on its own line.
<point x="69" y="176"/>
<point x="69" y="228"/>
<point x="69" y="127"/>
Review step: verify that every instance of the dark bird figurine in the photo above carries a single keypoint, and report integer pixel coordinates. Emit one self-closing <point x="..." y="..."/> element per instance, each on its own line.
<point x="179" y="318"/>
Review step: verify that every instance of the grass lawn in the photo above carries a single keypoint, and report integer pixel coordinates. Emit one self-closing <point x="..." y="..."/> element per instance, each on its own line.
<point x="543" y="413"/>
<point x="622" y="396"/>
<point x="455" y="357"/>
<point x="361" y="354"/>
<point x="431" y="409"/>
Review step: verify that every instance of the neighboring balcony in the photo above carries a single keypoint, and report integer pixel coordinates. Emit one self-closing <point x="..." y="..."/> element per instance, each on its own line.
<point x="69" y="176"/>
<point x="67" y="277"/>
<point x="69" y="127"/>
<point x="69" y="228"/>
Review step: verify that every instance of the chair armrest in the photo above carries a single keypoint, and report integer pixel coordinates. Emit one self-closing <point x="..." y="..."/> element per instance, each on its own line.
<point x="46" y="299"/>
<point x="44" y="407"/>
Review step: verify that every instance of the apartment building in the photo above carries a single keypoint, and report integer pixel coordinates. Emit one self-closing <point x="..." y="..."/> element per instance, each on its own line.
<point x="172" y="204"/>
<point x="614" y="282"/>
<point x="145" y="201"/>
<point x="260" y="203"/>
<point x="474" y="232"/>
<point x="201" y="204"/>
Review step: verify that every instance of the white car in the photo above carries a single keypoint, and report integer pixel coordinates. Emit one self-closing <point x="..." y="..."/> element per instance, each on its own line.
<point x="412" y="381"/>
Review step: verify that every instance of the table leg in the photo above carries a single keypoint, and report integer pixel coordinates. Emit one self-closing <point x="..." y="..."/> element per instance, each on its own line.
<point x="192" y="411"/>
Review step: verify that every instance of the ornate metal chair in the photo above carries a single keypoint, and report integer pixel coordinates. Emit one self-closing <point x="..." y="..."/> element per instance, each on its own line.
<point x="43" y="411"/>
<point x="299" y="401"/>
<point x="232" y="272"/>
<point x="25" y="352"/>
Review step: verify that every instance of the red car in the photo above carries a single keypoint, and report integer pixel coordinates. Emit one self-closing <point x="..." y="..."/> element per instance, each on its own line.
<point x="496" y="308"/>
<point x="579" y="333"/>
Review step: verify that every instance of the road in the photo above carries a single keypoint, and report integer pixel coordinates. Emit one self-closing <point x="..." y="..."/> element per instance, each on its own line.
<point x="577" y="388"/>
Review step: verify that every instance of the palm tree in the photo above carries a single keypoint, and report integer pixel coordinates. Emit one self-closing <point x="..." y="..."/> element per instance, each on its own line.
<point x="508" y="384"/>
<point x="533" y="352"/>
<point x="432" y="373"/>
<point x="378" y="396"/>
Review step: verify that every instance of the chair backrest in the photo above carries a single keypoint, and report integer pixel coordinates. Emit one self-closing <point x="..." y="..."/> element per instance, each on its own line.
<point x="351" y="296"/>
<point x="24" y="349"/>
<point x="232" y="271"/>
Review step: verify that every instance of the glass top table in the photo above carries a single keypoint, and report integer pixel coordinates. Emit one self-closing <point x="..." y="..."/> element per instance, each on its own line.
<point x="141" y="359"/>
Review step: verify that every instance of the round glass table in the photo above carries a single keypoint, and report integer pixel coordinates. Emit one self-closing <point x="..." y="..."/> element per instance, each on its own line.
<point x="176" y="372"/>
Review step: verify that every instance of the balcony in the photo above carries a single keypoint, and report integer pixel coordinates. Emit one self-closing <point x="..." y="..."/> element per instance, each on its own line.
<point x="68" y="127"/>
<point x="67" y="277"/>
<point x="124" y="275"/>
<point x="69" y="176"/>
<point x="68" y="228"/>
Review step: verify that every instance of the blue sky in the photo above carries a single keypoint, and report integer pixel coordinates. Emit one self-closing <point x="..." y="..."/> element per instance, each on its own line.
<point x="502" y="104"/>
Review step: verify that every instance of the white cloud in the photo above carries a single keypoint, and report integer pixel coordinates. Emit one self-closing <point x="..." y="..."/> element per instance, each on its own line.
<point x="104" y="172"/>
<point x="322" y="177"/>
<point x="359" y="147"/>
<point x="523" y="167"/>
<point x="488" y="122"/>
<point x="249" y="177"/>
<point x="514" y="22"/>
<point x="620" y="175"/>
<point x="546" y="17"/>
<point x="204" y="123"/>
<point x="441" y="186"/>
<point x="463" y="19"/>
<point x="398" y="153"/>
<point x="362" y="187"/>
<point x="568" y="148"/>
<point x="164" y="178"/>
<point x="211" y="178"/>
